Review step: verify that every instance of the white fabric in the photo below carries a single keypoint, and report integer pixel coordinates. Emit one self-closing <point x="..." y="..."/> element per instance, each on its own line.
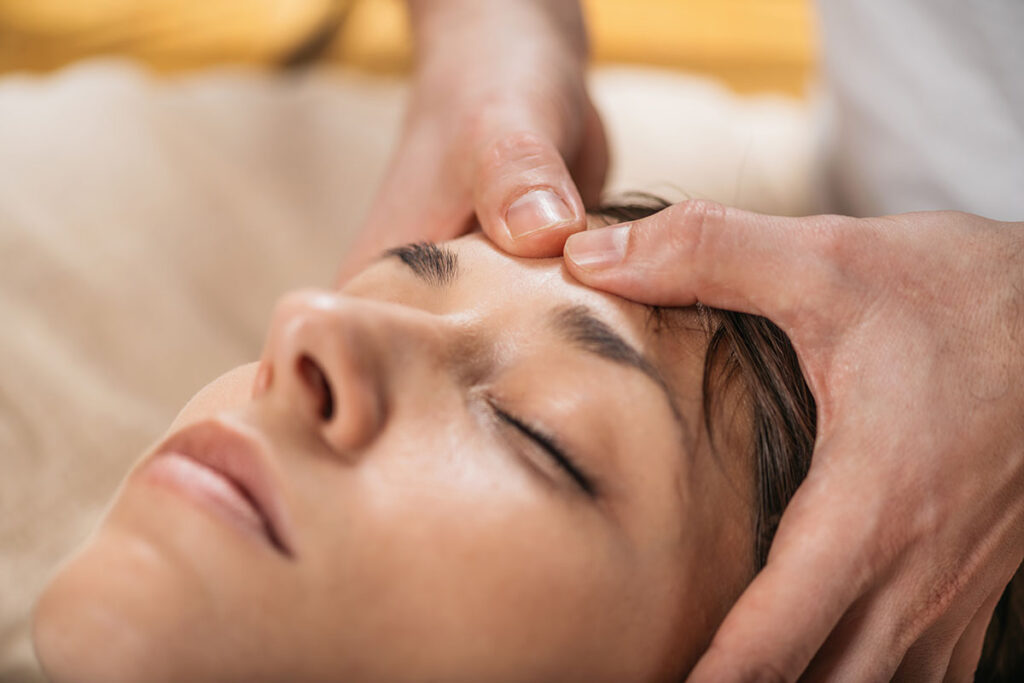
<point x="926" y="105"/>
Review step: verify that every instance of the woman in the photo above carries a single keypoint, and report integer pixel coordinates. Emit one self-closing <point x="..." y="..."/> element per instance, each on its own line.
<point x="465" y="466"/>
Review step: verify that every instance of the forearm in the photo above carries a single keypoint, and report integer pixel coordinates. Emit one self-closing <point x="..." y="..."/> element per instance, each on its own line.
<point x="499" y="130"/>
<point x="444" y="29"/>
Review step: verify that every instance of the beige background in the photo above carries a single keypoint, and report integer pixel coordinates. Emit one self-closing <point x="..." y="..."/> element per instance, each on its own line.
<point x="146" y="227"/>
<point x="753" y="45"/>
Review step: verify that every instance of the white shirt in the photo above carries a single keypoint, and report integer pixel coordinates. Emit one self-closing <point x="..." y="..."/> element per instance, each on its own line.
<point x="925" y="106"/>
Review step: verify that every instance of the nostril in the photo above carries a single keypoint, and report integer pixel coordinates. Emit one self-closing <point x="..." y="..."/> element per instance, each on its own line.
<point x="316" y="379"/>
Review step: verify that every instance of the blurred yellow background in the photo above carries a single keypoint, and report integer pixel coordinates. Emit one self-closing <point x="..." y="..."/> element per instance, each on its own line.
<point x="752" y="45"/>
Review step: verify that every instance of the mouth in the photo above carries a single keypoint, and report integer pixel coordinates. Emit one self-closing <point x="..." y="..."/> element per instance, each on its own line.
<point x="224" y="471"/>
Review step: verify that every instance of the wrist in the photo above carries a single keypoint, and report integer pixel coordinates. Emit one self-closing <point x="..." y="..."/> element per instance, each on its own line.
<point x="448" y="32"/>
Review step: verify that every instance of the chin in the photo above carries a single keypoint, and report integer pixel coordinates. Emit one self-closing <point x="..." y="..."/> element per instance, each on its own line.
<point x="110" y="614"/>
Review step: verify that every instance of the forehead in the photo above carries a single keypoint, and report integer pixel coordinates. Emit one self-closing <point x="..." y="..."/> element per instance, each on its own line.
<point x="496" y="278"/>
<point x="471" y="277"/>
<point x="537" y="301"/>
<point x="673" y="337"/>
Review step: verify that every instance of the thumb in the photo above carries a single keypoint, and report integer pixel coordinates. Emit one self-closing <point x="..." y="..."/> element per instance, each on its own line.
<point x="525" y="198"/>
<point x="722" y="257"/>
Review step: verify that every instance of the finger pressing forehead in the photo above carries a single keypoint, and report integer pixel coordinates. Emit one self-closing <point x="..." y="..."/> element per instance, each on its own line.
<point x="700" y="251"/>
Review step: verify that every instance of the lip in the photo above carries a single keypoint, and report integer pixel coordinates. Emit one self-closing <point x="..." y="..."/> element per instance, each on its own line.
<point x="226" y="471"/>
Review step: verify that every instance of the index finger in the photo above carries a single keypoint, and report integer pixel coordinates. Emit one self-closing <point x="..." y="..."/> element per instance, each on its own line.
<point x="702" y="251"/>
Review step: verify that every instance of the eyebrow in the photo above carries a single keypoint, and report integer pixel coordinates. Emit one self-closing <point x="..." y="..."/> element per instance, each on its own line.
<point x="436" y="265"/>
<point x="588" y="332"/>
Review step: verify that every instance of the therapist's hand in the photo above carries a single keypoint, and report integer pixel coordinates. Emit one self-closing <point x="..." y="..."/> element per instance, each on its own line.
<point x="910" y="331"/>
<point x="499" y="123"/>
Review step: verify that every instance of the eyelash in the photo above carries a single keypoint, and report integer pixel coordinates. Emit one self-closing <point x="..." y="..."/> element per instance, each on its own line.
<point x="548" y="445"/>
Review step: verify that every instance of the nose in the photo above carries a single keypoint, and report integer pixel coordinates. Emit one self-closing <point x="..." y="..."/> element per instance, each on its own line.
<point x="329" y="363"/>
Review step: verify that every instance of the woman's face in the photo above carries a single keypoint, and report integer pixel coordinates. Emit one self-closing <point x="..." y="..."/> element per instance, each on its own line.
<point x="463" y="467"/>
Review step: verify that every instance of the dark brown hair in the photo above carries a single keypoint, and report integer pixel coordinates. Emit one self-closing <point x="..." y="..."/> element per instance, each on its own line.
<point x="751" y="354"/>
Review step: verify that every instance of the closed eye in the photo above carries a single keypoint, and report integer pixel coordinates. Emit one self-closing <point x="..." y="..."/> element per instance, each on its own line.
<point x="551" y="447"/>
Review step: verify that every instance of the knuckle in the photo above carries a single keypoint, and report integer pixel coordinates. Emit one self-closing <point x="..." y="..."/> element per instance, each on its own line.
<point x="936" y="602"/>
<point x="759" y="672"/>
<point x="766" y="673"/>
<point x="840" y="248"/>
<point x="520" y="147"/>
<point x="831" y="236"/>
<point x="749" y="668"/>
<point x="687" y="225"/>
<point x="835" y="241"/>
<point x="689" y="231"/>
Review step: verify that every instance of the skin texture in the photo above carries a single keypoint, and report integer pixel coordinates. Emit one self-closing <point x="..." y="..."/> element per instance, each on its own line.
<point x="492" y="116"/>
<point x="891" y="556"/>
<point x="431" y="540"/>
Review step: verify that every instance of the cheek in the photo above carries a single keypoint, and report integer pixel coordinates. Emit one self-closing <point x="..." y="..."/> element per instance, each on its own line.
<point x="231" y="390"/>
<point x="155" y="618"/>
<point x="447" y="545"/>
